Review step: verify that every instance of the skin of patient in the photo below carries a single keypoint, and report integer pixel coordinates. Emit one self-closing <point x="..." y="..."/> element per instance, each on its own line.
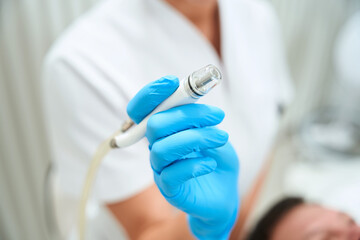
<point x="314" y="222"/>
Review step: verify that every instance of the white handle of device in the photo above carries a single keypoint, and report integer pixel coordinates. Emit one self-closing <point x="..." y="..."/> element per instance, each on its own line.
<point x="190" y="90"/>
<point x="134" y="134"/>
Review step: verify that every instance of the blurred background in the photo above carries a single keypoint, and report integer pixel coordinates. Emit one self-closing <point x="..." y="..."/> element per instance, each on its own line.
<point x="317" y="152"/>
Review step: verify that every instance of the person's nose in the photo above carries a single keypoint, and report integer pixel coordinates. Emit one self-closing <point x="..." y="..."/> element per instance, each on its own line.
<point x="352" y="233"/>
<point x="346" y="229"/>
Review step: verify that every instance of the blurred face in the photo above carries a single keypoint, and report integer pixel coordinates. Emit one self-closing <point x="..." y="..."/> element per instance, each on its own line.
<point x="313" y="222"/>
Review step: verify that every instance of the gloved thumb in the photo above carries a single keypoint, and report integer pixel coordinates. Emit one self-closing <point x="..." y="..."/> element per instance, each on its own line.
<point x="150" y="96"/>
<point x="173" y="176"/>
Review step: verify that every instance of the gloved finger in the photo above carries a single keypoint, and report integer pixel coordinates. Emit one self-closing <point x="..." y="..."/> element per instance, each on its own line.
<point x="173" y="176"/>
<point x="225" y="156"/>
<point x="174" y="147"/>
<point x="181" y="118"/>
<point x="150" y="96"/>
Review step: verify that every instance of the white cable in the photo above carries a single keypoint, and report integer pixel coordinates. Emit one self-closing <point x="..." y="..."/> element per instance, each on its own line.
<point x="100" y="153"/>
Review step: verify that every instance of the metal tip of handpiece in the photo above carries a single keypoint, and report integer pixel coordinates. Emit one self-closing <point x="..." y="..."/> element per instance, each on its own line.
<point x="208" y="74"/>
<point x="204" y="79"/>
<point x="215" y="72"/>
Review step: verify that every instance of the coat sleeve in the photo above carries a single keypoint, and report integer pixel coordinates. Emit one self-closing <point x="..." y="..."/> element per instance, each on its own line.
<point x="84" y="105"/>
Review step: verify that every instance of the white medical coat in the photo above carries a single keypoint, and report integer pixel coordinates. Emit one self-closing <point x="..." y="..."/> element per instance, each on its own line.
<point x="111" y="52"/>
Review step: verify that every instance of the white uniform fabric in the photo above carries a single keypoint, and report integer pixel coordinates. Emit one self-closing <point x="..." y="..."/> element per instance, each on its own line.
<point x="110" y="53"/>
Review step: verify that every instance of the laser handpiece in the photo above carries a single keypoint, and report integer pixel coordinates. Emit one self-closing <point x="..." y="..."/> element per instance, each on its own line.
<point x="190" y="90"/>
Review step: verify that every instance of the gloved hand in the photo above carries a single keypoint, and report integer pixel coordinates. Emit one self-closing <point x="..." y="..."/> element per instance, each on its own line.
<point x="195" y="167"/>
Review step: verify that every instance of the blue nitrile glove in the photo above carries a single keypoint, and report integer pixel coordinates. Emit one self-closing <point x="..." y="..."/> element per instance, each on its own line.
<point x="195" y="167"/>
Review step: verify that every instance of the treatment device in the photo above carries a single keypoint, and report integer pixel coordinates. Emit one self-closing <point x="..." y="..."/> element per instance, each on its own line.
<point x="190" y="90"/>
